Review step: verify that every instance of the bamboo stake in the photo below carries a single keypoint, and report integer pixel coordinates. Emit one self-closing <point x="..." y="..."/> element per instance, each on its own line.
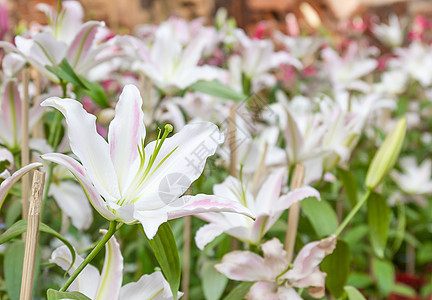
<point x="32" y="235"/>
<point x="294" y="212"/>
<point x="187" y="234"/>
<point x="232" y="141"/>
<point x="25" y="151"/>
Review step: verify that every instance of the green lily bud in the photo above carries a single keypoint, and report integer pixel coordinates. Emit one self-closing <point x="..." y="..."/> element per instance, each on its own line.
<point x="386" y="156"/>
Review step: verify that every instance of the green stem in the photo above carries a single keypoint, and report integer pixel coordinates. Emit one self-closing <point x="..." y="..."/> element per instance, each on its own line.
<point x="112" y="229"/>
<point x="353" y="212"/>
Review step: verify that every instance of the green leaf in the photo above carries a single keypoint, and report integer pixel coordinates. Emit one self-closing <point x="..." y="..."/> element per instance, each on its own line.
<point x="20" y="227"/>
<point x="13" y="266"/>
<point x="166" y="253"/>
<point x="353" y="293"/>
<point x="350" y="185"/>
<point x="240" y="291"/>
<point x="213" y="283"/>
<point x="385" y="275"/>
<point x="378" y="215"/>
<point x="95" y="91"/>
<point x="217" y="89"/>
<point x="56" y="295"/>
<point x="424" y="254"/>
<point x="65" y="72"/>
<point x="404" y="290"/>
<point x="337" y="267"/>
<point x="359" y="280"/>
<point x="321" y="215"/>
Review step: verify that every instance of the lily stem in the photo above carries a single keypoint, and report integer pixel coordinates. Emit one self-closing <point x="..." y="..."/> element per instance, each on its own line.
<point x="352" y="213"/>
<point x="112" y="229"/>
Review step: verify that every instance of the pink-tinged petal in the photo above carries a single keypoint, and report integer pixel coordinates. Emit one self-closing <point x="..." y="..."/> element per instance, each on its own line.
<point x="46" y="50"/>
<point x="7" y="184"/>
<point x="89" y="146"/>
<point x="244" y="266"/>
<point x="206" y="234"/>
<point x="315" y="282"/>
<point x="5" y="174"/>
<point x="112" y="272"/>
<point x="190" y="205"/>
<point x="73" y="17"/>
<point x="231" y="188"/>
<point x="263" y="290"/>
<point x="153" y="286"/>
<point x="73" y="202"/>
<point x="6" y="155"/>
<point x="87" y="280"/>
<point x="179" y="162"/>
<point x="9" y="47"/>
<point x="126" y="132"/>
<point x="12" y="64"/>
<point x="82" y="42"/>
<point x="260" y="226"/>
<point x="309" y="257"/>
<point x="294" y="196"/>
<point x="10" y="115"/>
<point x="288" y="293"/>
<point x="80" y="174"/>
<point x="151" y="220"/>
<point x="275" y="257"/>
<point x="269" y="192"/>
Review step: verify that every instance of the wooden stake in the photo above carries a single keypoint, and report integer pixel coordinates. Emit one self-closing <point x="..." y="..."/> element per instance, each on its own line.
<point x="232" y="141"/>
<point x="187" y="234"/>
<point x="294" y="212"/>
<point x="25" y="151"/>
<point x="32" y="235"/>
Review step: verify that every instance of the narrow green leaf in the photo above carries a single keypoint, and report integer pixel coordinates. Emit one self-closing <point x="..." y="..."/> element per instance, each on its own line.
<point x="213" y="283"/>
<point x="353" y="293"/>
<point x="404" y="290"/>
<point x="95" y="91"/>
<point x="378" y="215"/>
<point x="349" y="184"/>
<point x="56" y="295"/>
<point x="65" y="72"/>
<point x="337" y="267"/>
<point x="13" y="266"/>
<point x="20" y="227"/>
<point x="217" y="89"/>
<point x="385" y="275"/>
<point x="165" y="250"/>
<point x="359" y="280"/>
<point x="240" y="291"/>
<point x="321" y="215"/>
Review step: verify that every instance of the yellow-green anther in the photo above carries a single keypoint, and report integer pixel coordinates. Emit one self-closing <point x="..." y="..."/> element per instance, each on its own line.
<point x="386" y="156"/>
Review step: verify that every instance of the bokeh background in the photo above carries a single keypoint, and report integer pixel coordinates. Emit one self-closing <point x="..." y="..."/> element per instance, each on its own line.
<point x="124" y="15"/>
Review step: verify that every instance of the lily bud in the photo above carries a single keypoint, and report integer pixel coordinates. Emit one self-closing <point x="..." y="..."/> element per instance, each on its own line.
<point x="386" y="156"/>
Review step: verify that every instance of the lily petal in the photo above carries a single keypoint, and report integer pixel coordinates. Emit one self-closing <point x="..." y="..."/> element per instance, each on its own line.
<point x="7" y="184"/>
<point x="206" y="234"/>
<point x="6" y="155"/>
<point x="294" y="196"/>
<point x="112" y="271"/>
<point x="190" y="205"/>
<point x="82" y="42"/>
<point x="89" y="146"/>
<point x="244" y="266"/>
<point x="78" y="171"/>
<point x="126" y="132"/>
<point x="148" y="287"/>
<point x="87" y="280"/>
<point x="73" y="202"/>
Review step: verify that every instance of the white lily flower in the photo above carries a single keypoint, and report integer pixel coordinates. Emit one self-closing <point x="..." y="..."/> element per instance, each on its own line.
<point x="131" y="183"/>
<point x="10" y="116"/>
<point x="267" y="205"/>
<point x="299" y="46"/>
<point x="272" y="273"/>
<point x="170" y="65"/>
<point x="392" y="34"/>
<point x="414" y="179"/>
<point x="108" y="284"/>
<point x="66" y="38"/>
